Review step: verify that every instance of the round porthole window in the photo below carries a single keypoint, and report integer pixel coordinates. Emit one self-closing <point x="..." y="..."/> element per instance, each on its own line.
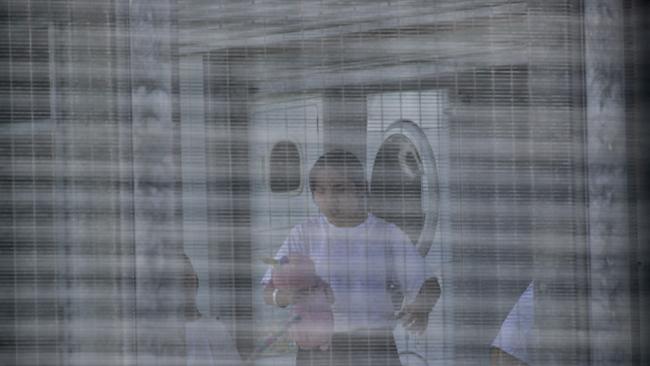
<point x="404" y="183"/>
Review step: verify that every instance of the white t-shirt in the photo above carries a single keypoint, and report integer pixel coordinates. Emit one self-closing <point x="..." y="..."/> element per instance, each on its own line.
<point x="208" y="342"/>
<point x="357" y="262"/>
<point x="515" y="335"/>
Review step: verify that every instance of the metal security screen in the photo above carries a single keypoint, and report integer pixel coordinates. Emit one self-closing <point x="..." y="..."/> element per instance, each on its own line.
<point x="321" y="182"/>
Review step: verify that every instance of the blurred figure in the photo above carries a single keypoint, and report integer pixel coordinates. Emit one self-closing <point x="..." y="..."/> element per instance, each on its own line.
<point x="207" y="341"/>
<point x="512" y="343"/>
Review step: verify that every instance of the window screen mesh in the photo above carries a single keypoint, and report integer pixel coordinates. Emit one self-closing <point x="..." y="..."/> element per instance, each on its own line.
<point x="156" y="157"/>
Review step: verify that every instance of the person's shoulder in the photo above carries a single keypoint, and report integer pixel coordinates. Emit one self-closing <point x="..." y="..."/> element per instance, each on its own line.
<point x="390" y="231"/>
<point x="378" y="222"/>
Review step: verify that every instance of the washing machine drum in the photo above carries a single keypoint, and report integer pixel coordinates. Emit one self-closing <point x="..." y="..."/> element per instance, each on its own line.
<point x="403" y="186"/>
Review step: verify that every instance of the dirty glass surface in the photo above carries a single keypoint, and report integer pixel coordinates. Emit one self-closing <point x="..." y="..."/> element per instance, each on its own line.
<point x="156" y="156"/>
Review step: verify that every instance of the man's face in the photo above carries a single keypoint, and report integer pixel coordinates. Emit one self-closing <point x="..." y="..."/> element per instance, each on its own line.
<point x="338" y="198"/>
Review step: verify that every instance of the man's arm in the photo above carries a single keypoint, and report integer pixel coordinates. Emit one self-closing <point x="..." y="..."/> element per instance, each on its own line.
<point x="415" y="315"/>
<point x="427" y="297"/>
<point x="293" y="243"/>
<point x="420" y="293"/>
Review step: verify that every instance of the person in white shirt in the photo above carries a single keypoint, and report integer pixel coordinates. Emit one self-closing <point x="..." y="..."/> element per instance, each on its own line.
<point x="207" y="341"/>
<point x="362" y="258"/>
<point x="512" y="343"/>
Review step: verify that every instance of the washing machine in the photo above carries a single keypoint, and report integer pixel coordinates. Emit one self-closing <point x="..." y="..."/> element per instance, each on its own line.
<point x="408" y="172"/>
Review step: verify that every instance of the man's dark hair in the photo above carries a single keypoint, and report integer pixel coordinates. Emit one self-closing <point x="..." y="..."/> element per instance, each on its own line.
<point x="343" y="161"/>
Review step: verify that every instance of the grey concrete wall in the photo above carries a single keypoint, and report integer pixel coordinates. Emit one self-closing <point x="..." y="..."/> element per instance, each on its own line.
<point x="610" y="248"/>
<point x="153" y="66"/>
<point x="91" y="109"/>
<point x="558" y="205"/>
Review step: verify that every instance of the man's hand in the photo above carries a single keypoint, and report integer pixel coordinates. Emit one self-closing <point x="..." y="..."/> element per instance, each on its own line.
<point x="415" y="316"/>
<point x="414" y="320"/>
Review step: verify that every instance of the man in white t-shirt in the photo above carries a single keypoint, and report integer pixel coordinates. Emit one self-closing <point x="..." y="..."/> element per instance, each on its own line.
<point x="512" y="343"/>
<point x="363" y="258"/>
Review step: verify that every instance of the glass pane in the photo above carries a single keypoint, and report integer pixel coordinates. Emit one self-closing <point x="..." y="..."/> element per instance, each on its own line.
<point x="285" y="167"/>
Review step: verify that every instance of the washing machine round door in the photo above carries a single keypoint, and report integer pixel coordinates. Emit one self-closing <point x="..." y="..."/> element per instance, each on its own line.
<point x="404" y="183"/>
